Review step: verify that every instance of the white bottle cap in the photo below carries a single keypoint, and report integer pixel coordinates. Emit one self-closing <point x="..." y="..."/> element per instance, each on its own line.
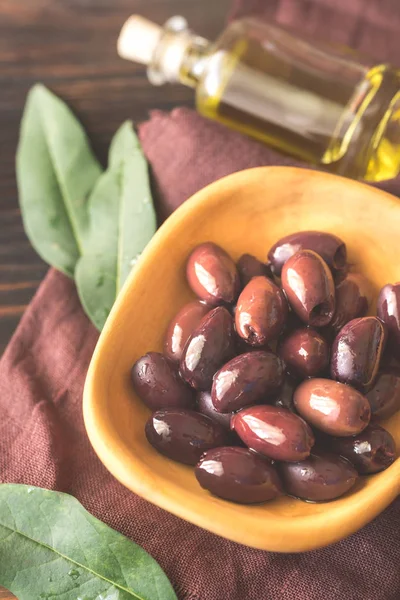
<point x="138" y="39"/>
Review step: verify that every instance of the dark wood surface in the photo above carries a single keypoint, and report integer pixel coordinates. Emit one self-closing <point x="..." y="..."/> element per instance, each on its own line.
<point x="69" y="45"/>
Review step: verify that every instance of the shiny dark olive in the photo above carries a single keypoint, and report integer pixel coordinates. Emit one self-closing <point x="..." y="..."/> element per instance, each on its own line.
<point x="331" y="248"/>
<point x="239" y="475"/>
<point x="309" y="288"/>
<point x="184" y="435"/>
<point x="246" y="380"/>
<point x="384" y="397"/>
<point x="357" y="351"/>
<point x="305" y="352"/>
<point x="274" y="432"/>
<point x="322" y="476"/>
<point x="249" y="266"/>
<point x="284" y="398"/>
<point x="388" y="310"/>
<point x="157" y="382"/>
<point x="332" y="407"/>
<point x="205" y="406"/>
<point x="211" y="345"/>
<point x="370" y="451"/>
<point x="353" y="297"/>
<point x="212" y="274"/>
<point x="181" y="328"/>
<point x="261" y="312"/>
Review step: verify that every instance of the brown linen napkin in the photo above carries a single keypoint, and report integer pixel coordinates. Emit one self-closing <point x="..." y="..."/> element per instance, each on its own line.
<point x="42" y="436"/>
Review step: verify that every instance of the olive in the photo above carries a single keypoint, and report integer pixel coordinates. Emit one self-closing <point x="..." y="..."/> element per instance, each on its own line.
<point x="212" y="274"/>
<point x="384" y="397"/>
<point x="357" y="351"/>
<point x="184" y="435"/>
<point x="181" y="327"/>
<point x="353" y="297"/>
<point x="274" y="432"/>
<point x="245" y="380"/>
<point x="322" y="476"/>
<point x="370" y="451"/>
<point x="331" y="248"/>
<point x="239" y="475"/>
<point x="205" y="406"/>
<point x="309" y="288"/>
<point x="333" y="407"/>
<point x="261" y="311"/>
<point x="284" y="398"/>
<point x="388" y="311"/>
<point x="211" y="345"/>
<point x="305" y="352"/>
<point x="157" y="382"/>
<point x="249" y="266"/>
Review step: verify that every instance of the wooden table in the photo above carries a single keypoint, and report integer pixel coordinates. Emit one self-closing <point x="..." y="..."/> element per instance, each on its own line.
<point x="69" y="45"/>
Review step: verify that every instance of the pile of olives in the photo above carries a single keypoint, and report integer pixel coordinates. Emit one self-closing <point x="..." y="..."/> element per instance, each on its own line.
<point x="274" y="380"/>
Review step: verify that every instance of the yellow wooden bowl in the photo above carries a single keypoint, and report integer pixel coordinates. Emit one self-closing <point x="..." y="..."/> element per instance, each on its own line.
<point x="245" y="212"/>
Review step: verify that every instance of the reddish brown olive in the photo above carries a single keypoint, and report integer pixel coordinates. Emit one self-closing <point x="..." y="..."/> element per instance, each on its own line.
<point x="322" y="476"/>
<point x="239" y="475"/>
<point x="357" y="351"/>
<point x="274" y="432"/>
<point x="332" y="407"/>
<point x="331" y="248"/>
<point x="246" y="380"/>
<point x="353" y="297"/>
<point x="305" y="352"/>
<point x="212" y="274"/>
<point x="211" y="345"/>
<point x="370" y="451"/>
<point x="261" y="312"/>
<point x="157" y="382"/>
<point x="384" y="397"/>
<point x="249" y="266"/>
<point x="388" y="310"/>
<point x="309" y="287"/>
<point x="284" y="398"/>
<point x="205" y="406"/>
<point x="181" y="328"/>
<point x="184" y="435"/>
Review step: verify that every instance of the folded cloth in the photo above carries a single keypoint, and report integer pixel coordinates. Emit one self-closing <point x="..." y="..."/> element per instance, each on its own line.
<point x="43" y="440"/>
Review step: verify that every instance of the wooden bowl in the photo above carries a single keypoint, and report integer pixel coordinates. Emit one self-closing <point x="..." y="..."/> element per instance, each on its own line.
<point x="244" y="212"/>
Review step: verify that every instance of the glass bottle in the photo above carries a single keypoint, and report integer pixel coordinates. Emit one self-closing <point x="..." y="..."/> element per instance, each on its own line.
<point x="323" y="105"/>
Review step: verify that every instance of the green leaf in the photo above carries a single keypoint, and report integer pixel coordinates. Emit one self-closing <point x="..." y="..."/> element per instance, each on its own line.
<point x="51" y="548"/>
<point x="56" y="171"/>
<point x="122" y="221"/>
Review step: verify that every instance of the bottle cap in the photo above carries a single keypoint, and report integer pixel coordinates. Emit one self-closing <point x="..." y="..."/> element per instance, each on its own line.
<point x="138" y="39"/>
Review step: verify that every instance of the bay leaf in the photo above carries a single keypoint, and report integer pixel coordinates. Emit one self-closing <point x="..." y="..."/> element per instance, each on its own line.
<point x="51" y="548"/>
<point x="122" y="222"/>
<point x="56" y="171"/>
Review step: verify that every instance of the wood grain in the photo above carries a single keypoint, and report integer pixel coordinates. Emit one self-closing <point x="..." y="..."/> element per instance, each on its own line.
<point x="69" y="45"/>
<point x="6" y="595"/>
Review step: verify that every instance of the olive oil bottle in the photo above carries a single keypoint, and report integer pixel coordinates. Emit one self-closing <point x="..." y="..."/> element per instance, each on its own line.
<point x="321" y="104"/>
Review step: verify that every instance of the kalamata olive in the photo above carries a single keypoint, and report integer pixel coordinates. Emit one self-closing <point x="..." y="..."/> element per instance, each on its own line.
<point x="245" y="380"/>
<point x="181" y="328"/>
<point x="157" y="382"/>
<point x="384" y="397"/>
<point x="261" y="311"/>
<point x="331" y="248"/>
<point x="388" y="310"/>
<point x="333" y="407"/>
<point x="274" y="432"/>
<point x="370" y="451"/>
<point x="357" y="351"/>
<point x="206" y="407"/>
<point x="211" y="345"/>
<point x="284" y="398"/>
<point x="322" y="476"/>
<point x="353" y="297"/>
<point x="239" y="475"/>
<point x="249" y="266"/>
<point x="212" y="274"/>
<point x="308" y="284"/>
<point x="184" y="435"/>
<point x="305" y="352"/>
